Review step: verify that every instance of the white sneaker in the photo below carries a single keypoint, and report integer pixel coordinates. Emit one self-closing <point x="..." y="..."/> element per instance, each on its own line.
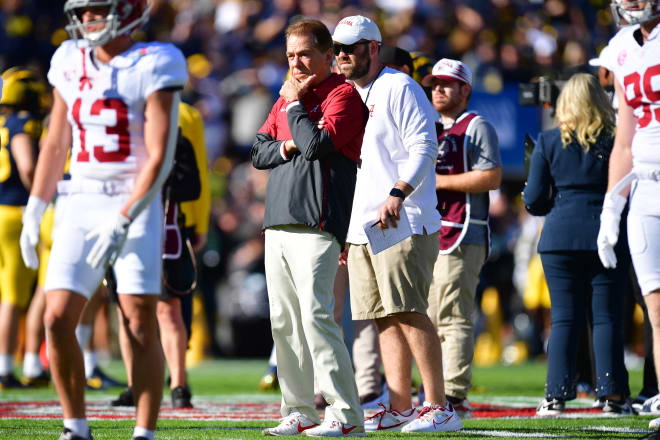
<point x="389" y="420"/>
<point x="293" y="424"/>
<point x="650" y="406"/>
<point x="655" y="423"/>
<point x="333" y="428"/>
<point x="550" y="408"/>
<point x="435" y="418"/>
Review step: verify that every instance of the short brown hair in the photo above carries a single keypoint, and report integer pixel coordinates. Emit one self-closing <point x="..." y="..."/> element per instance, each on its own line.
<point x="321" y="34"/>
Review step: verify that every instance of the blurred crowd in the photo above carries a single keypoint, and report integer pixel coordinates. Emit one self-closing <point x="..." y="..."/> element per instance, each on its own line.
<point x="235" y="53"/>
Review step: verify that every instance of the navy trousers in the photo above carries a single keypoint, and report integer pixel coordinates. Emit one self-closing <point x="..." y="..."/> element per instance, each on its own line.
<point x="579" y="284"/>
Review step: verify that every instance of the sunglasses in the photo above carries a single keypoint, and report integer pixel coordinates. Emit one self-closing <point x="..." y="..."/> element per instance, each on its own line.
<point x="347" y="48"/>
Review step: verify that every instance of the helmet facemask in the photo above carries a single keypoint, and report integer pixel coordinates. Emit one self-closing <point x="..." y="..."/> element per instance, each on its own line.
<point x="115" y="22"/>
<point x="624" y="17"/>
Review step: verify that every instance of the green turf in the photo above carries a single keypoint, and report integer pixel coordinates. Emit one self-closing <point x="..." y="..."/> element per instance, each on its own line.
<point x="226" y="378"/>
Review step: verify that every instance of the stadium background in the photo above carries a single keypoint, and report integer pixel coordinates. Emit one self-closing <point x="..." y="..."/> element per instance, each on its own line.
<point x="235" y="51"/>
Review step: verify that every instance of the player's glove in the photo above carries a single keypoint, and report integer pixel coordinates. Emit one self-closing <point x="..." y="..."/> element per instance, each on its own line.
<point x="608" y="234"/>
<point x="110" y="239"/>
<point x="32" y="215"/>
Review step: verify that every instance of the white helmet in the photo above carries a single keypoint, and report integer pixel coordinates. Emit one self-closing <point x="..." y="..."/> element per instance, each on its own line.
<point x="123" y="17"/>
<point x="628" y="12"/>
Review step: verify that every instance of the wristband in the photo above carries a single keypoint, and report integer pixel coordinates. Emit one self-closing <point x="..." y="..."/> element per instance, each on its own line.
<point x="396" y="192"/>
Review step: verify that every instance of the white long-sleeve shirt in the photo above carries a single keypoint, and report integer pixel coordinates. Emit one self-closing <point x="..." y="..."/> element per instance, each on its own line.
<point x="400" y="143"/>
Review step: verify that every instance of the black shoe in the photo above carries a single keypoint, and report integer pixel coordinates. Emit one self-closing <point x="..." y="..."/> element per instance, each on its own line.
<point x="124" y="399"/>
<point x="67" y="434"/>
<point x="9" y="382"/>
<point x="100" y="381"/>
<point x="139" y="438"/>
<point x="181" y="397"/>
<point x="618" y="408"/>
<point x="41" y="381"/>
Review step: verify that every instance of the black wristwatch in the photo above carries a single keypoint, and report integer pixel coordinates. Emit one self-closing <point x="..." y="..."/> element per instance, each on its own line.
<point x="396" y="192"/>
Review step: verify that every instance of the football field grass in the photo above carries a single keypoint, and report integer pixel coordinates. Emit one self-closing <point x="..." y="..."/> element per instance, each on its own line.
<point x="228" y="405"/>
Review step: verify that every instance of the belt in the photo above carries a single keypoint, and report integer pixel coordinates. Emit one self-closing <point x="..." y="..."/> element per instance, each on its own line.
<point x="91" y="186"/>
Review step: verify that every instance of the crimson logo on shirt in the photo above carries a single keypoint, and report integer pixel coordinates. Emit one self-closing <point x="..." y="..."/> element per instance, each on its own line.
<point x="371" y="110"/>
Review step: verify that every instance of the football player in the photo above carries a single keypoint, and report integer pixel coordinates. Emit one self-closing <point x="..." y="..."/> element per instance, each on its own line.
<point x="116" y="102"/>
<point x="635" y="161"/>
<point x="20" y="126"/>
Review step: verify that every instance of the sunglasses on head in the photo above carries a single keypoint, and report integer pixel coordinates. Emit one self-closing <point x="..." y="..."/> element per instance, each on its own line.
<point x="347" y="48"/>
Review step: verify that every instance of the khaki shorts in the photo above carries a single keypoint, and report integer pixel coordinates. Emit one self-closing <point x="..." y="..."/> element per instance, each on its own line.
<point x="393" y="281"/>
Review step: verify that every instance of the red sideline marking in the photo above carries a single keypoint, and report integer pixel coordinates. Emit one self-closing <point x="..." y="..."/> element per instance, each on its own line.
<point x="489" y="411"/>
<point x="207" y="410"/>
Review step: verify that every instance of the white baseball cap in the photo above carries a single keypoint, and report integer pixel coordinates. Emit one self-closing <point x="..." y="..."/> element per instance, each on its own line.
<point x="604" y="59"/>
<point x="352" y="29"/>
<point x="449" y="70"/>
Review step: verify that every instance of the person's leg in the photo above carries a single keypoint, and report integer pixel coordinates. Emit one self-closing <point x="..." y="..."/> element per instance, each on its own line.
<point x="397" y="362"/>
<point x="146" y="372"/>
<point x="10" y="315"/>
<point x="16" y="286"/>
<point x="451" y="309"/>
<point x="607" y="308"/>
<point x="313" y="255"/>
<point x="125" y="347"/>
<point x="295" y="370"/>
<point x="653" y="306"/>
<point x="420" y="335"/>
<point x="366" y="359"/>
<point x="567" y="289"/>
<point x="174" y="339"/>
<point x="63" y="309"/>
<point x="85" y="331"/>
<point x="34" y="336"/>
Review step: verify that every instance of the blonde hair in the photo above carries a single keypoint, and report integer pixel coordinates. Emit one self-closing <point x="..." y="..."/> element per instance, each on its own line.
<point x="584" y="111"/>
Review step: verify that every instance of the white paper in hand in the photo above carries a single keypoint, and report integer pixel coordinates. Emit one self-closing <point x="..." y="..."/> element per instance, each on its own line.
<point x="381" y="239"/>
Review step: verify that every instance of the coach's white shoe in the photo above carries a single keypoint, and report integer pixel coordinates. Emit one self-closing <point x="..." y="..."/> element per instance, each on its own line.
<point x="334" y="428"/>
<point x="650" y="406"/>
<point x="293" y="424"/>
<point x="389" y="420"/>
<point x="655" y="423"/>
<point x="435" y="418"/>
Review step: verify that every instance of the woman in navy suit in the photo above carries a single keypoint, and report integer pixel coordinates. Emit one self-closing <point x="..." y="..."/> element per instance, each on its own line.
<point x="567" y="182"/>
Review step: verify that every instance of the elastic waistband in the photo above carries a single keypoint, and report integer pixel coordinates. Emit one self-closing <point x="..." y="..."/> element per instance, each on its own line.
<point x="89" y="186"/>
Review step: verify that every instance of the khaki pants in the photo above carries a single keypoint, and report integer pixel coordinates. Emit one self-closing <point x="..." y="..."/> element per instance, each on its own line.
<point x="301" y="263"/>
<point x="451" y="309"/>
<point x="366" y="357"/>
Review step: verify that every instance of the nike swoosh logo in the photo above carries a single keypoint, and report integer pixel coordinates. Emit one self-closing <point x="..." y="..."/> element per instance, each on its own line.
<point x="345" y="430"/>
<point x="442" y="422"/>
<point x="302" y="428"/>
<point x="389" y="427"/>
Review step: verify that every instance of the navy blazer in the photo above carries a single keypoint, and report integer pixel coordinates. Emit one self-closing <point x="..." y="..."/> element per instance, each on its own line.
<point x="568" y="185"/>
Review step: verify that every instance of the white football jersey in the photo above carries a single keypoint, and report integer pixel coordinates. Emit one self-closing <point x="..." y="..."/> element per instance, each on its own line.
<point x="637" y="69"/>
<point x="106" y="103"/>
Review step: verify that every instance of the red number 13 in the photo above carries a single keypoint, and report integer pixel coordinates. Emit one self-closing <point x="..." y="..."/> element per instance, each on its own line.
<point x="120" y="129"/>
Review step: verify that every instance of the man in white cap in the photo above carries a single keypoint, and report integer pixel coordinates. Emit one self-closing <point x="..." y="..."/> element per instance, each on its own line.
<point x="468" y="166"/>
<point x="395" y="179"/>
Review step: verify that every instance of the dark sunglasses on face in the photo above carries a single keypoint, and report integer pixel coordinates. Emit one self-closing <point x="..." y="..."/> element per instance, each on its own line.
<point x="347" y="48"/>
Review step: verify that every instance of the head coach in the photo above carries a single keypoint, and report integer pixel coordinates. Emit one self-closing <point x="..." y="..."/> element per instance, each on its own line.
<point x="311" y="143"/>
